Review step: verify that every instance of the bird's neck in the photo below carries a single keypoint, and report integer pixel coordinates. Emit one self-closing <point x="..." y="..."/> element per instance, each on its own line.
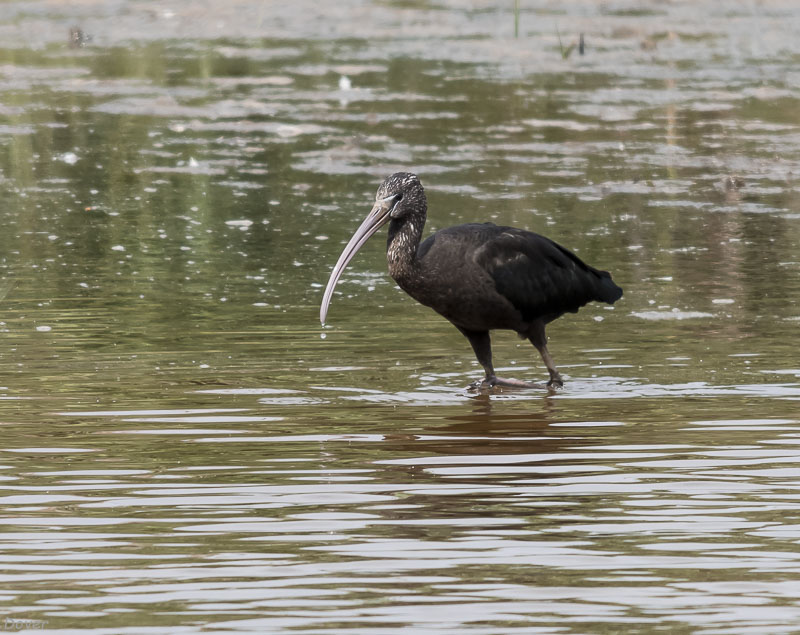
<point x="401" y="247"/>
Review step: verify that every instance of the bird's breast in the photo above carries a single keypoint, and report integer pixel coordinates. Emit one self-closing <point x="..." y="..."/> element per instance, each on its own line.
<point x="463" y="294"/>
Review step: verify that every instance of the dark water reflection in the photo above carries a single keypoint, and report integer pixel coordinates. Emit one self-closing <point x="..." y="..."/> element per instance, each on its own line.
<point x="186" y="450"/>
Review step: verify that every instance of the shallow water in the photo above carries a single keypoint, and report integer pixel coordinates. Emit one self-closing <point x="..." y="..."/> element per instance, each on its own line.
<point x="187" y="450"/>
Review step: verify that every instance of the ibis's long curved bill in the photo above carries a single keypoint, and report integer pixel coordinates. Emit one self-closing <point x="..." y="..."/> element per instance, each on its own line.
<point x="376" y="219"/>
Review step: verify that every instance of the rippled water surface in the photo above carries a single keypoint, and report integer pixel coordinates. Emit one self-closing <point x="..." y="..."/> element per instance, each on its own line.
<point x="186" y="450"/>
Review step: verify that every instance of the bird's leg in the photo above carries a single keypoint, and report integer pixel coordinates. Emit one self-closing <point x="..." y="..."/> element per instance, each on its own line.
<point x="482" y="345"/>
<point x="539" y="340"/>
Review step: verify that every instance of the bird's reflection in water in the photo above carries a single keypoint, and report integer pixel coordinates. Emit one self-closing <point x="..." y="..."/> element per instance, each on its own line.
<point x="481" y="426"/>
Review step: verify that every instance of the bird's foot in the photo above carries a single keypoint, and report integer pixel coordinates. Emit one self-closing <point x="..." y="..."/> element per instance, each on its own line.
<point x="491" y="382"/>
<point x="555" y="382"/>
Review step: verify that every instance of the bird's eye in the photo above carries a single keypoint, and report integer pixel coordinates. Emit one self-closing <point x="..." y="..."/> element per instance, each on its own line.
<point x="398" y="197"/>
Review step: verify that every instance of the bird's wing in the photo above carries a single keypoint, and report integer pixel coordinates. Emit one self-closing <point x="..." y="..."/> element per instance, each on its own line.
<point x="539" y="277"/>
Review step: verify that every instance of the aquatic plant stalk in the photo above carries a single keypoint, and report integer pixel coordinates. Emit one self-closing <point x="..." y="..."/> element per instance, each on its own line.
<point x="516" y="18"/>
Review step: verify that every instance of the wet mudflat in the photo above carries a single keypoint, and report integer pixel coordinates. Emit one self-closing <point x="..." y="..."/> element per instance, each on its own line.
<point x="186" y="450"/>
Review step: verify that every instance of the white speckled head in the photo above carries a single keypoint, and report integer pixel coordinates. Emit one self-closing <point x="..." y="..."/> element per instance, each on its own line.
<point x="406" y="190"/>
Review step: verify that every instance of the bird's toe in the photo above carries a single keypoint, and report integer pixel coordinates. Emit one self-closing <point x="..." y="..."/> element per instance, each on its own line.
<point x="515" y="383"/>
<point x="482" y="384"/>
<point x="489" y="383"/>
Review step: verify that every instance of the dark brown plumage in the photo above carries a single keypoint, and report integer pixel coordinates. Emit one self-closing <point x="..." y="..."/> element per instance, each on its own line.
<point x="480" y="276"/>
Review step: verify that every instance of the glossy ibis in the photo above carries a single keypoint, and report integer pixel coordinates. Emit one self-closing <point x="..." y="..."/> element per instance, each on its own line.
<point x="480" y="276"/>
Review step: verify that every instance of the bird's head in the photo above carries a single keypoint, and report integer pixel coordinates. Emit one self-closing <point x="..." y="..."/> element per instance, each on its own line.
<point x="402" y="193"/>
<point x="399" y="197"/>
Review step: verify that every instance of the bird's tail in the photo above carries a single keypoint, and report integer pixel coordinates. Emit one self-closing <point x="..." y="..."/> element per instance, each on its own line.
<point x="607" y="290"/>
